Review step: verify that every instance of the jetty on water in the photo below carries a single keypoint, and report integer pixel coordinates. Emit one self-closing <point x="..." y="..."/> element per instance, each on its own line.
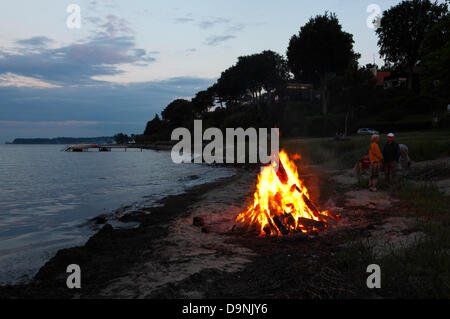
<point x="100" y="148"/>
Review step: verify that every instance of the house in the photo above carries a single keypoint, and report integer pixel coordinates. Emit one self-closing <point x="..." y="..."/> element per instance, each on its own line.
<point x="380" y="76"/>
<point x="299" y="91"/>
<point x="395" y="82"/>
<point x="388" y="80"/>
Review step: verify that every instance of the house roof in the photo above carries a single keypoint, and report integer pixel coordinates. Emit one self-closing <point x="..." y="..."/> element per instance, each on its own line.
<point x="380" y="77"/>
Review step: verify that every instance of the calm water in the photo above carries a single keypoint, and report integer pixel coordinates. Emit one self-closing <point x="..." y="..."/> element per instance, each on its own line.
<point x="46" y="196"/>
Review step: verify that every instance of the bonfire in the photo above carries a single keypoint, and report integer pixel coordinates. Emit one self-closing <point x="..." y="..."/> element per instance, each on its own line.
<point x="282" y="204"/>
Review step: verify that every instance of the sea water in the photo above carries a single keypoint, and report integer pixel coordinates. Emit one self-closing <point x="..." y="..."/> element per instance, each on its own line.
<point x="47" y="196"/>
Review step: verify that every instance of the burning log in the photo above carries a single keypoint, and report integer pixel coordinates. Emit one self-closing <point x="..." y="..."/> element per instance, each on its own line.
<point x="281" y="227"/>
<point x="282" y="174"/>
<point x="311" y="206"/>
<point x="267" y="230"/>
<point x="284" y="178"/>
<point x="270" y="228"/>
<point x="289" y="220"/>
<point x="281" y="203"/>
<point x="312" y="224"/>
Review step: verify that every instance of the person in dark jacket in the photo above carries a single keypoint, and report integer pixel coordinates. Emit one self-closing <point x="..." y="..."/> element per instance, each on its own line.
<point x="391" y="155"/>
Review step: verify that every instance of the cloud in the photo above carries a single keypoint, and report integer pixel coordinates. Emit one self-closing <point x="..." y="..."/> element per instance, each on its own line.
<point x="190" y="51"/>
<point x="230" y="28"/>
<point x="111" y="26"/>
<point x="183" y="20"/>
<point x="209" y="23"/>
<point x="11" y="79"/>
<point x="58" y="123"/>
<point x="111" y="44"/>
<point x="102" y="102"/>
<point x="35" y="42"/>
<point x="205" y="23"/>
<point x="76" y="63"/>
<point x="238" y="27"/>
<point x="95" y="5"/>
<point x="73" y="110"/>
<point x="217" y="39"/>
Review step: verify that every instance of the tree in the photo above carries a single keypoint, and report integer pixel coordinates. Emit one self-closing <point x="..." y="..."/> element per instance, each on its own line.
<point x="403" y="29"/>
<point x="231" y="85"/>
<point x="251" y="75"/>
<point x="204" y="100"/>
<point x="273" y="71"/>
<point x="121" y="138"/>
<point x="153" y="126"/>
<point x="320" y="51"/>
<point x="436" y="75"/>
<point x="178" y="112"/>
<point x="355" y="88"/>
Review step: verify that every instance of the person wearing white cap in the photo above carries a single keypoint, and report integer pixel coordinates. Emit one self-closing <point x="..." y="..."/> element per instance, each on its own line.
<point x="391" y="155"/>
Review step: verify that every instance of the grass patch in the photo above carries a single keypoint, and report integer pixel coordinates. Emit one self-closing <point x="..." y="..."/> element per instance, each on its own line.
<point x="425" y="197"/>
<point x="425" y="145"/>
<point x="419" y="271"/>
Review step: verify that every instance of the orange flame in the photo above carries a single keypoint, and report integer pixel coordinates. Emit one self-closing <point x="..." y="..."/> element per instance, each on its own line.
<point x="281" y="203"/>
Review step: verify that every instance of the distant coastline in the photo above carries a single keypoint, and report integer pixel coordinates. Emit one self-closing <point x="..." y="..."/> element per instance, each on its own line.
<point x="65" y="140"/>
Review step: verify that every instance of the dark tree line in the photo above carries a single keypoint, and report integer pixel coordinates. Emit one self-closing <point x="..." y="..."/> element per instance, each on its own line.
<point x="412" y="33"/>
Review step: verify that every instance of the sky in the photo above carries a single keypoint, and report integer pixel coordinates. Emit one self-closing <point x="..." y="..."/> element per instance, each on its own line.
<point x="129" y="59"/>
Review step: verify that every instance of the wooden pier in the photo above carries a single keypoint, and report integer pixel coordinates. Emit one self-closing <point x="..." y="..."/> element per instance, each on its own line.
<point x="100" y="148"/>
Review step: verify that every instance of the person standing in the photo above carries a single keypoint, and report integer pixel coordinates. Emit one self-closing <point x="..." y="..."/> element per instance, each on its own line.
<point x="405" y="161"/>
<point x="391" y="155"/>
<point x="376" y="159"/>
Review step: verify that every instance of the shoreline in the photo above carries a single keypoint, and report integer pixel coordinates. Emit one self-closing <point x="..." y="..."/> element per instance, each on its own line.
<point x="169" y="257"/>
<point x="100" y="255"/>
<point x="111" y="258"/>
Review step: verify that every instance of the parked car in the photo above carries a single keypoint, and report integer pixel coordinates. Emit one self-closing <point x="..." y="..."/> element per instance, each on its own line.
<point x="367" y="131"/>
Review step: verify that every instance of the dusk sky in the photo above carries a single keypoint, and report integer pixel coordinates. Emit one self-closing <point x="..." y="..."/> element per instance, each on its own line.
<point x="129" y="59"/>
